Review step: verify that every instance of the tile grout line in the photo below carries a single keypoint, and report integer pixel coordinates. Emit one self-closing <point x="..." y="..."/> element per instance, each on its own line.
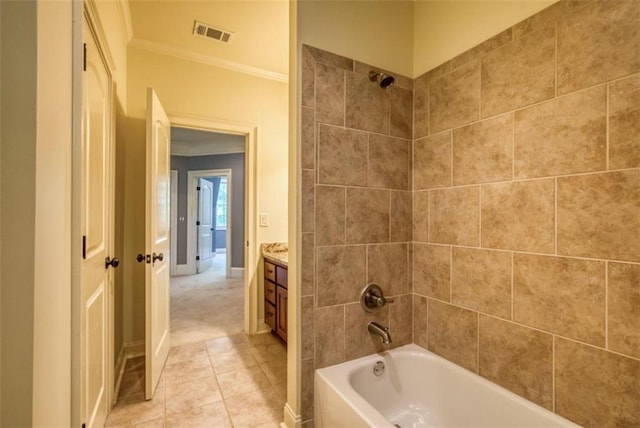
<point x="555" y="58"/>
<point x="512" y="287"/>
<point x="553" y="372"/>
<point x="607" y="126"/>
<point x="555" y="215"/>
<point x="606" y="305"/>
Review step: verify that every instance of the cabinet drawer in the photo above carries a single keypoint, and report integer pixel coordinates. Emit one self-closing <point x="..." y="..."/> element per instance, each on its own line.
<point x="270" y="315"/>
<point x="270" y="291"/>
<point x="281" y="276"/>
<point x="270" y="271"/>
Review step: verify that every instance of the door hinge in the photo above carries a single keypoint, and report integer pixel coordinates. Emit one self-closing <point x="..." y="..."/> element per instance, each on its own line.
<point x="198" y="188"/>
<point x="84" y="57"/>
<point x="197" y="258"/>
<point x="84" y="425"/>
<point x="197" y="223"/>
<point x="84" y="247"/>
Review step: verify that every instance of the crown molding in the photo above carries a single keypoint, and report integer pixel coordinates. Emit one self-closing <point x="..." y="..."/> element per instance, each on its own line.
<point x="184" y="54"/>
<point x="125" y="14"/>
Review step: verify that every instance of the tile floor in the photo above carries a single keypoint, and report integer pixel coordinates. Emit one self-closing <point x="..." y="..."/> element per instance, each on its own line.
<point x="229" y="380"/>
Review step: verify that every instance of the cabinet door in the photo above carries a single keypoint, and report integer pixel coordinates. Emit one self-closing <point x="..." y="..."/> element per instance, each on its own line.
<point x="270" y="315"/>
<point x="281" y="325"/>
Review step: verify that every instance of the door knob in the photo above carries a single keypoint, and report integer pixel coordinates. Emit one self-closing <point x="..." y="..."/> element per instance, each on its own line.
<point x="141" y="257"/>
<point x="113" y="262"/>
<point x="158" y="257"/>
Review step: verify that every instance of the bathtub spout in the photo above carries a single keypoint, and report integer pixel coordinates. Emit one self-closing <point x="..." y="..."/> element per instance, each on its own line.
<point x="380" y="330"/>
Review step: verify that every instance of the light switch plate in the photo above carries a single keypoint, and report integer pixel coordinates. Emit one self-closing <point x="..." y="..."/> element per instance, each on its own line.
<point x="264" y="219"/>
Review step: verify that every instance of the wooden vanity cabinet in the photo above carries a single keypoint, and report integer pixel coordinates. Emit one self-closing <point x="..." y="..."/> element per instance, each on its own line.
<point x="275" y="298"/>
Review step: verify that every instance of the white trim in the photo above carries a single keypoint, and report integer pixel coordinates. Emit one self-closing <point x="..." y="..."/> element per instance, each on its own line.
<point x="290" y="417"/>
<point x="91" y="11"/>
<point x="174" y="223"/>
<point x="183" y="270"/>
<point x="125" y="14"/>
<point x="263" y="327"/>
<point x="236" y="272"/>
<point x="192" y="206"/>
<point x="164" y="49"/>
<point x="251" y="255"/>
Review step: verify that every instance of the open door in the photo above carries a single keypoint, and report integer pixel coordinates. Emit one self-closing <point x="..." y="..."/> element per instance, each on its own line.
<point x="204" y="224"/>
<point x="157" y="242"/>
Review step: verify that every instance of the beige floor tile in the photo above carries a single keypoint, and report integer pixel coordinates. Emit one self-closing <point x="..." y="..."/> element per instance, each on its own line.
<point x="223" y="345"/>
<point x="187" y="370"/>
<point x="156" y="423"/>
<point x="242" y="381"/>
<point x="230" y="361"/>
<point x="192" y="351"/>
<point x="132" y="384"/>
<point x="276" y="371"/>
<point x="255" y="408"/>
<point x="186" y="395"/>
<point x="211" y="415"/>
<point x="269" y="352"/>
<point x="136" y="363"/>
<point x="136" y="410"/>
<point x="281" y="389"/>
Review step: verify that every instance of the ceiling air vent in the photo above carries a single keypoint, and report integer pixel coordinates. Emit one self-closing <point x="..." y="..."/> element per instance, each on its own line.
<point x="205" y="30"/>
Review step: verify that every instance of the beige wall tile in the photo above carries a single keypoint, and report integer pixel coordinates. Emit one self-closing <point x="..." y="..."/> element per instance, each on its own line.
<point x="624" y="123"/>
<point x="545" y="16"/>
<point x="420" y="311"/>
<point x="308" y="145"/>
<point x="454" y="98"/>
<point x="598" y="43"/>
<point x="330" y="215"/>
<point x="307" y="326"/>
<point x="401" y="112"/>
<point x="421" y="216"/>
<point x="341" y="274"/>
<point x="483" y="151"/>
<point x="519" y="73"/>
<point x="308" y="200"/>
<point x="595" y="388"/>
<point x="359" y="342"/>
<point x="308" y="266"/>
<point x="329" y="94"/>
<point x="432" y="161"/>
<point x="519" y="216"/>
<point x="329" y="336"/>
<point x="483" y="48"/>
<point x="388" y="162"/>
<point x="367" y="105"/>
<point x="401" y="320"/>
<point x="307" y="374"/>
<point x="432" y="271"/>
<point x="342" y="156"/>
<point x="308" y="78"/>
<point x="400" y="216"/>
<point x="481" y="280"/>
<point x="623" y="296"/>
<point x="517" y="358"/>
<point x="421" y="106"/>
<point x="453" y="216"/>
<point x="387" y="266"/>
<point x="563" y="136"/>
<point x="453" y="334"/>
<point x="560" y="295"/>
<point x="599" y="215"/>
<point x="367" y="216"/>
<point x="331" y="59"/>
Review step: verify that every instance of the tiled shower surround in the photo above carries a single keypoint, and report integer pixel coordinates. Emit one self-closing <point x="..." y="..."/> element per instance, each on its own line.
<point x="508" y="213"/>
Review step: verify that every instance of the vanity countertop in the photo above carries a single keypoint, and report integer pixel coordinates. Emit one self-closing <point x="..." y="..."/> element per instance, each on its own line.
<point x="276" y="252"/>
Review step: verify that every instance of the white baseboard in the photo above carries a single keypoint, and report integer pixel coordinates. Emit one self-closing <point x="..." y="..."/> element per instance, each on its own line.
<point x="237" y="272"/>
<point x="263" y="327"/>
<point x="133" y="349"/>
<point x="183" y="270"/>
<point x="291" y="420"/>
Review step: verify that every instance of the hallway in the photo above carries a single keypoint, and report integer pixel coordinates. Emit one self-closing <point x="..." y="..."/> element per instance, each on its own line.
<point x="215" y="375"/>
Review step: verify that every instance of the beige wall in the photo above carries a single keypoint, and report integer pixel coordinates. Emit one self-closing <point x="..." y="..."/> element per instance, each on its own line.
<point x="374" y="32"/>
<point x="445" y="28"/>
<point x="527" y="211"/>
<point x="192" y="89"/>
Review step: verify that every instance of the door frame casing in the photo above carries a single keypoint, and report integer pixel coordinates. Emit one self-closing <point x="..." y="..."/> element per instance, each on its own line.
<point x="192" y="207"/>
<point x="251" y="248"/>
<point x="173" y="268"/>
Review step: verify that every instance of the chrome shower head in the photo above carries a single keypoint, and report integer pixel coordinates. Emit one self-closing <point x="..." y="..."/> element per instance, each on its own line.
<point x="383" y="79"/>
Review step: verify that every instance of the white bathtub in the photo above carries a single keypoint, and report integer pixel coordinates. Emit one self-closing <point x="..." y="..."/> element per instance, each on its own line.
<point x="419" y="389"/>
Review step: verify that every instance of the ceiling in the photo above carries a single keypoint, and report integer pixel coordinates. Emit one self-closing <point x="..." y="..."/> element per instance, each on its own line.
<point x="261" y="28"/>
<point x="193" y="142"/>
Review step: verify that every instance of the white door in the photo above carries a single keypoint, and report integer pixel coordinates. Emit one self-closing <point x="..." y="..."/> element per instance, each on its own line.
<point x="97" y="231"/>
<point x="204" y="224"/>
<point x="157" y="242"/>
